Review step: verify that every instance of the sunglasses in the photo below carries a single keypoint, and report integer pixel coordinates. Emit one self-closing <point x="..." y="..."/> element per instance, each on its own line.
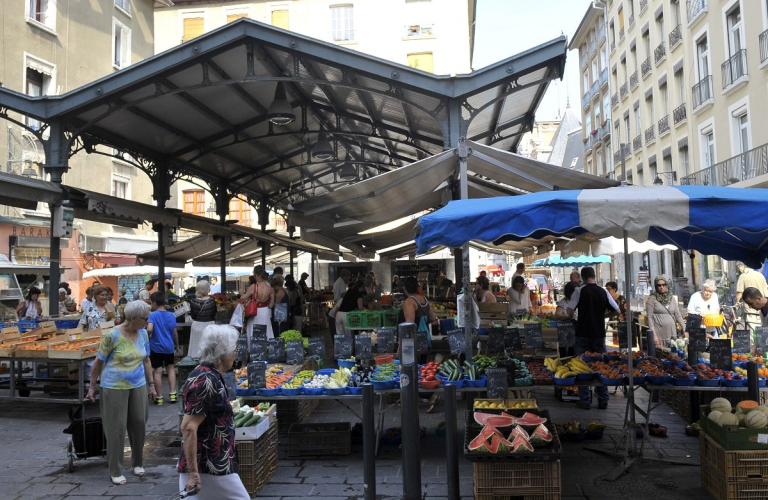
<point x="659" y="285"/>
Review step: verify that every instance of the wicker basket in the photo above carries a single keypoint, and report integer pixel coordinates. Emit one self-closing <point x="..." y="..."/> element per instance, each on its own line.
<point x="713" y="320"/>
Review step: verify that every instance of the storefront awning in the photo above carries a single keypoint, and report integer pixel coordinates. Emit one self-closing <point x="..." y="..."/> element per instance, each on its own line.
<point x="24" y="192"/>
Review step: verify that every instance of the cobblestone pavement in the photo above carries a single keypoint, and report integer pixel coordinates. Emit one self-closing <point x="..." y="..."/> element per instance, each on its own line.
<point x="33" y="460"/>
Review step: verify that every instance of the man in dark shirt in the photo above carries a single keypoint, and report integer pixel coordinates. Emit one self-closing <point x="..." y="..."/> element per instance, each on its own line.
<point x="592" y="302"/>
<point x="754" y="299"/>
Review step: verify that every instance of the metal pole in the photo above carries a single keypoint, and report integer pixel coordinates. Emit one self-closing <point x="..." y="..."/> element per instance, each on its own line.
<point x="161" y="229"/>
<point x="369" y="444"/>
<point x="451" y="443"/>
<point x="291" y="252"/>
<point x="312" y="271"/>
<point x="462" y="152"/>
<point x="753" y="382"/>
<point x="54" y="276"/>
<point x="409" y="412"/>
<point x="223" y="263"/>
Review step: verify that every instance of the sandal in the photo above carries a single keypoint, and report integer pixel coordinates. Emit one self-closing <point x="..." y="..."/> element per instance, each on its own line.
<point x="138" y="471"/>
<point x="119" y="480"/>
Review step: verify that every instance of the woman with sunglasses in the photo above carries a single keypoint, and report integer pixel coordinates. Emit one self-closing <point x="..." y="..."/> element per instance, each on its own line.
<point x="663" y="313"/>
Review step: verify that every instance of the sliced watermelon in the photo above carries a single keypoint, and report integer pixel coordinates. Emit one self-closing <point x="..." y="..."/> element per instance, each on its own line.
<point x="521" y="445"/>
<point x="500" y="422"/>
<point x="483" y="442"/>
<point x="518" y="431"/>
<point x="480" y="417"/>
<point x="479" y="444"/>
<point x="541" y="436"/>
<point x="501" y="444"/>
<point x="530" y="420"/>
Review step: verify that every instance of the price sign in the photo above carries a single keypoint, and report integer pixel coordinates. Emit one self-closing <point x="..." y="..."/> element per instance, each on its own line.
<point x="317" y="347"/>
<point x="363" y="347"/>
<point x="698" y="339"/>
<point x="259" y="350"/>
<point x="720" y="354"/>
<point x="495" y="343"/>
<point x="259" y="332"/>
<point x="741" y="341"/>
<point x="533" y="336"/>
<point x="342" y="346"/>
<point x="294" y="352"/>
<point x="497" y="383"/>
<point x="692" y="321"/>
<point x="422" y="343"/>
<point x="276" y="350"/>
<point x="512" y="339"/>
<point x="457" y="341"/>
<point x="241" y="354"/>
<point x="257" y="378"/>
<point x="385" y="342"/>
<point x="762" y="339"/>
<point x="566" y="333"/>
<point x="623" y="341"/>
<point x="280" y="313"/>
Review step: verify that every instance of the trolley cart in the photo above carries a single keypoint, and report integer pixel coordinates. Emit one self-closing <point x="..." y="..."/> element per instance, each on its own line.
<point x="87" y="436"/>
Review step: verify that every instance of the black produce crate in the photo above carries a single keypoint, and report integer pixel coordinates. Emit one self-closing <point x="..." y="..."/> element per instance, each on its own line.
<point x="549" y="453"/>
<point x="319" y="439"/>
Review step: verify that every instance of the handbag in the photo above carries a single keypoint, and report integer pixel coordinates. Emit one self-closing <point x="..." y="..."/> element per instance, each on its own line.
<point x="251" y="309"/>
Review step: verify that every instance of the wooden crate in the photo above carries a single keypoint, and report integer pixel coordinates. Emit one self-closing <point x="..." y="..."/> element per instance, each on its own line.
<point x="733" y="475"/>
<point x="731" y="437"/>
<point x="517" y="479"/>
<point x="257" y="460"/>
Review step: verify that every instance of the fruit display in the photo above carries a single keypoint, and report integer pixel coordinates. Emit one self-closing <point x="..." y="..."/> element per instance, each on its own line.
<point x="450" y="370"/>
<point x="746" y="414"/>
<point x="491" y="438"/>
<point x="290" y="335"/>
<point x="427" y="372"/>
<point x="317" y="382"/>
<point x="276" y="381"/>
<point x="339" y="379"/>
<point x="484" y="362"/>
<point x="487" y="404"/>
<point x="571" y="368"/>
<point x="540" y="374"/>
<point x="246" y="416"/>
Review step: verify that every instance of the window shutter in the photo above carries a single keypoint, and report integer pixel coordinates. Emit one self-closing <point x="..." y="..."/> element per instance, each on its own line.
<point x="280" y="19"/>
<point x="193" y="27"/>
<point x="235" y="17"/>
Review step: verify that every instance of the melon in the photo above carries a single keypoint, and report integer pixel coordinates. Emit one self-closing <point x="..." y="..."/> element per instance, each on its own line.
<point x="530" y="420"/>
<point x="741" y="417"/>
<point x="747" y="405"/>
<point x="541" y="436"/>
<point x="521" y="445"/>
<point x="501" y="444"/>
<point x="715" y="415"/>
<point x="481" y="442"/>
<point x="756" y="419"/>
<point x="518" y="431"/>
<point x="728" y="419"/>
<point x="720" y="404"/>
<point x="762" y="408"/>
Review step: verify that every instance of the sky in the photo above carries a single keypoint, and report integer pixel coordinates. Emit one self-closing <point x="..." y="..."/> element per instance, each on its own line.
<point x="507" y="27"/>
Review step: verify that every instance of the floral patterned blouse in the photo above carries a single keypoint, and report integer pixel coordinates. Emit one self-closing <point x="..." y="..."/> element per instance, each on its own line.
<point x="92" y="316"/>
<point x="206" y="394"/>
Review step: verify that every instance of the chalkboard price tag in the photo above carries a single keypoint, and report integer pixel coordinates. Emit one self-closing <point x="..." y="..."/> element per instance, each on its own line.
<point x="363" y="347"/>
<point x="280" y="313"/>
<point x="698" y="342"/>
<point x="497" y="383"/>
<point x="692" y="321"/>
<point x="294" y="352"/>
<point x="457" y="341"/>
<point x="512" y="339"/>
<point x="762" y="339"/>
<point x="422" y="343"/>
<point x="741" y="341"/>
<point x="259" y="332"/>
<point x="241" y="354"/>
<point x="257" y="378"/>
<point x="317" y="347"/>
<point x="385" y="340"/>
<point x="566" y="333"/>
<point x="623" y="341"/>
<point x="259" y="350"/>
<point x="720" y="354"/>
<point x="276" y="350"/>
<point x="342" y="346"/>
<point x="533" y="336"/>
<point x="495" y="343"/>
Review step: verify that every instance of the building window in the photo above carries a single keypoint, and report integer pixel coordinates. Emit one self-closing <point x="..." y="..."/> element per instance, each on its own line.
<point x="652" y="169"/>
<point x="121" y="44"/>
<point x="597" y="116"/>
<point x="342" y="23"/>
<point x="121" y="187"/>
<point x="708" y="146"/>
<point x="43" y="12"/>
<point x="595" y="70"/>
<point x="735" y="31"/>
<point x="234" y="15"/>
<point x="664" y="100"/>
<point x="683" y="163"/>
<point x="638" y="120"/>
<point x="280" y="18"/>
<point x="194" y="202"/>
<point x="626" y="126"/>
<point x="585" y="79"/>
<point x="742" y="133"/>
<point x="124" y="5"/>
<point x="603" y="58"/>
<point x="702" y="57"/>
<point x="588" y="124"/>
<point x="192" y="25"/>
<point x="599" y="163"/>
<point x="606" y="107"/>
<point x="34" y="89"/>
<point x="621" y="20"/>
<point x="240" y="210"/>
<point x="680" y="82"/>
<point x="667" y="162"/>
<point x="422" y="61"/>
<point x="38" y="82"/>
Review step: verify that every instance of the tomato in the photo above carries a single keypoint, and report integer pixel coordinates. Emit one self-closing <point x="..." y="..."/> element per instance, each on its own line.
<point x="429" y="378"/>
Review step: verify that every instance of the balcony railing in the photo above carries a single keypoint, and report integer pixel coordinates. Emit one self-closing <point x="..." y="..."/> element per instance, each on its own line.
<point x="595" y="90"/>
<point x="702" y="91"/>
<point x="605" y="129"/>
<point x="650" y="135"/>
<point x="679" y="114"/>
<point x="664" y="125"/>
<point x="645" y="67"/>
<point x="627" y="152"/>
<point x="637" y="143"/>
<point x="604" y="77"/>
<point x="613" y="45"/>
<point x="588" y="142"/>
<point x="675" y="37"/>
<point x="592" y="46"/>
<point x="614" y="100"/>
<point x="763" y="46"/>
<point x="631" y="20"/>
<point x="659" y="53"/>
<point x="623" y="92"/>
<point x="734" y="68"/>
<point x="745" y="166"/>
<point x="695" y="8"/>
<point x="633" y="81"/>
<point x="586" y="99"/>
<point x="621" y="34"/>
<point x="643" y="5"/>
<point x="616" y="157"/>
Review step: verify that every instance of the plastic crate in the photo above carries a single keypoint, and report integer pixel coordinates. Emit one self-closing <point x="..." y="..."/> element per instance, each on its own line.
<point x="738" y="466"/>
<point x="26" y="325"/>
<point x="718" y="485"/>
<point x="730" y="437"/>
<point x="294" y="412"/>
<point x="319" y="439"/>
<point x="257" y="460"/>
<point x="372" y="319"/>
<point x="389" y="318"/>
<point x="66" y="324"/>
<point x="517" y="480"/>
<point x="355" y="319"/>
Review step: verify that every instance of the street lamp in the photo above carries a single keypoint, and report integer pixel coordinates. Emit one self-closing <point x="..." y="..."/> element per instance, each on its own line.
<point x="658" y="182"/>
<point x="280" y="111"/>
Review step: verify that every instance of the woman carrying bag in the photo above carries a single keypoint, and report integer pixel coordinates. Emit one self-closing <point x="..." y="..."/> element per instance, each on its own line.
<point x="203" y="311"/>
<point x="259" y="310"/>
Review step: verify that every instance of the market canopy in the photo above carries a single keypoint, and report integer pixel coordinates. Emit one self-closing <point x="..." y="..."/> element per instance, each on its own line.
<point x="573" y="261"/>
<point x="729" y="222"/>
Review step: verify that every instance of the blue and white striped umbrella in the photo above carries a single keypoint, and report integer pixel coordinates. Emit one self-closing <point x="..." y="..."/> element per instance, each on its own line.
<point x="724" y="221"/>
<point x="572" y="261"/>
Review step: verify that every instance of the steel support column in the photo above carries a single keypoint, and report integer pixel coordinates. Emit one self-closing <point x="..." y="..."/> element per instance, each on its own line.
<point x="161" y="193"/>
<point x="57" y="164"/>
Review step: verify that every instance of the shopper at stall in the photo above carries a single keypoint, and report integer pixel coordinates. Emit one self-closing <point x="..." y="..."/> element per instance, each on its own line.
<point x="519" y="296"/>
<point x="749" y="278"/>
<point x="575" y="278"/>
<point x="277" y="272"/>
<point x="295" y="302"/>
<point x="122" y="361"/>
<point x="339" y="289"/>
<point x="208" y="461"/>
<point x="705" y="302"/>
<point x="306" y="291"/>
<point x="613" y="289"/>
<point x="62" y="301"/>
<point x="482" y="290"/>
<point x="264" y="296"/>
<point x="397" y="284"/>
<point x="663" y="313"/>
<point x="203" y="311"/>
<point x="757" y="301"/>
<point x="281" y="316"/>
<point x="593" y="303"/>
<point x="70" y="303"/>
<point x="561" y="312"/>
<point x="146" y="292"/>
<point x="30" y="307"/>
<point x="163" y="341"/>
<point x="88" y="300"/>
<point x="215" y="287"/>
<point x="100" y="311"/>
<point x="416" y="308"/>
<point x="519" y="271"/>
<point x="353" y="300"/>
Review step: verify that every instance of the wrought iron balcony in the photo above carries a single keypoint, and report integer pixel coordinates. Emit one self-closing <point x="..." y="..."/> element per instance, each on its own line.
<point x="645" y="67"/>
<point x="595" y="90"/>
<point x="614" y="100"/>
<point x="745" y="166"/>
<point x="650" y="135"/>
<point x="627" y="151"/>
<point x="604" y="77"/>
<point x="702" y="92"/>
<point x="588" y="142"/>
<point x="675" y="37"/>
<point x="631" y="20"/>
<point x="734" y="68"/>
<point x="695" y="8"/>
<point x="633" y="81"/>
<point x="659" y="53"/>
<point x="663" y="125"/>
<point x="679" y="114"/>
<point x="586" y="99"/>
<point x="605" y="129"/>
<point x="592" y="46"/>
<point x="637" y="143"/>
<point x="616" y="157"/>
<point x="763" y="46"/>
<point x="643" y="5"/>
<point x="623" y="92"/>
<point x="621" y="34"/>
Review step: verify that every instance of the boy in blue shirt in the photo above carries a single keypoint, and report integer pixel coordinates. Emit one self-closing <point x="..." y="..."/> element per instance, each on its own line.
<point x="163" y="340"/>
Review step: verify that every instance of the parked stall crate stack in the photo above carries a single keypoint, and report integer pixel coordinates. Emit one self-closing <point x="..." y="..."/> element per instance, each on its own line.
<point x="294" y="412"/>
<point x="517" y="479"/>
<point x="389" y="318"/>
<point x="319" y="439"/>
<point x="733" y="475"/>
<point x="258" y="460"/>
<point x="355" y="319"/>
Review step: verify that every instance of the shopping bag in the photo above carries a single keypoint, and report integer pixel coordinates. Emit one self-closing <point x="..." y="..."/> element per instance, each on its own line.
<point x="237" y="317"/>
<point x="251" y="309"/>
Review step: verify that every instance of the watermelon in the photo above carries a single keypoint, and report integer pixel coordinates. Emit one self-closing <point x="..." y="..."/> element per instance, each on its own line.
<point x="484" y="443"/>
<point x="480" y="417"/>
<point x="541" y="436"/>
<point x="521" y="445"/>
<point x="500" y="444"/>
<point x="518" y="431"/>
<point x="530" y="420"/>
<point x="499" y="421"/>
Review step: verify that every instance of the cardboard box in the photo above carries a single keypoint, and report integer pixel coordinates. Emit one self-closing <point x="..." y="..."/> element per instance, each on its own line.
<point x="251" y="433"/>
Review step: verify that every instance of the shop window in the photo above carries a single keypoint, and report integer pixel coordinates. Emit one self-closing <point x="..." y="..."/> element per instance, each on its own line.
<point x="194" y="202"/>
<point x="422" y="61"/>
<point x="193" y="25"/>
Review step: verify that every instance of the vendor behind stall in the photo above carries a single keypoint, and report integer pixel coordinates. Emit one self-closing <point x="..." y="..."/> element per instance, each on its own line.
<point x="704" y="303"/>
<point x="519" y="297"/>
<point x="353" y="300"/>
<point x="30" y="308"/>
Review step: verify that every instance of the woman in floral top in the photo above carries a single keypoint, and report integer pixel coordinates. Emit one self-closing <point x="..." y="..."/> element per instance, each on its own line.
<point x="101" y="311"/>
<point x="208" y="460"/>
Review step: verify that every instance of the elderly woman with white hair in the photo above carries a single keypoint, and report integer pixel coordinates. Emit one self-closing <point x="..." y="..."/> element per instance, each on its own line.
<point x="705" y="302"/>
<point x="122" y="361"/>
<point x="203" y="312"/>
<point x="62" y="301"/>
<point x="208" y="462"/>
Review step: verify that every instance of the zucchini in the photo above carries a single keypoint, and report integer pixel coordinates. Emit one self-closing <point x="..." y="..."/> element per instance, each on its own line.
<point x="252" y="421"/>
